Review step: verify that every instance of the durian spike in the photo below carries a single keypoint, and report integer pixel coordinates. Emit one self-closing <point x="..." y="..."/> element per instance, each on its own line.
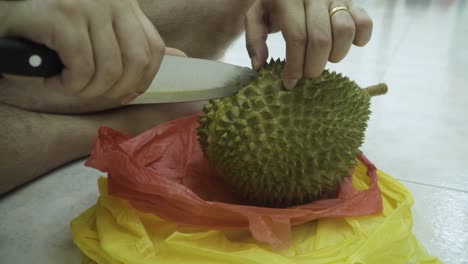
<point x="378" y="89"/>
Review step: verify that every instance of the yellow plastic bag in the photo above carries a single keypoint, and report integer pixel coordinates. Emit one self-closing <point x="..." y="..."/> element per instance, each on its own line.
<point x="112" y="231"/>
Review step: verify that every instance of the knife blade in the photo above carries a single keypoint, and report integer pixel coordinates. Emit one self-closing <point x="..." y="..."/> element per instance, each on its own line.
<point x="179" y="79"/>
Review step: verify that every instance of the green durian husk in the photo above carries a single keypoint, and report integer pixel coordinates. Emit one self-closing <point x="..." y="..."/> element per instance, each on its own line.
<point x="280" y="148"/>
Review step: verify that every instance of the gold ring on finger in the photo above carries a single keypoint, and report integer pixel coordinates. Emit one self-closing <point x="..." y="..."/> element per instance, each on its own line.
<point x="336" y="9"/>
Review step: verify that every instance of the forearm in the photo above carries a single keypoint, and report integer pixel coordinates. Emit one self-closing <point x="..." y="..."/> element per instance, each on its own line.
<point x="201" y="28"/>
<point x="33" y="144"/>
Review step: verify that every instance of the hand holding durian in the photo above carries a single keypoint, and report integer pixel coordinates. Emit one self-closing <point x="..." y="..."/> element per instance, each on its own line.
<point x="280" y="148"/>
<point x="315" y="31"/>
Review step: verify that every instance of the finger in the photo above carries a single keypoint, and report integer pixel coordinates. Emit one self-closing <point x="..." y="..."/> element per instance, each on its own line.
<point x="174" y="52"/>
<point x="74" y="46"/>
<point x="134" y="49"/>
<point x="293" y="27"/>
<point x="343" y="31"/>
<point x="319" y="43"/>
<point x="363" y="24"/>
<point x="107" y="57"/>
<point x="156" y="47"/>
<point x="256" y="33"/>
<point x="168" y="51"/>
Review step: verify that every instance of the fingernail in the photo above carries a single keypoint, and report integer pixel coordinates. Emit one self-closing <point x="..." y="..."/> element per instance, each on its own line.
<point x="254" y="63"/>
<point x="129" y="98"/>
<point x="289" y="84"/>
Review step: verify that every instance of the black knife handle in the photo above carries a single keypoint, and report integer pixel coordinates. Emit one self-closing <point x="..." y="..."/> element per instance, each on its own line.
<point x="25" y="58"/>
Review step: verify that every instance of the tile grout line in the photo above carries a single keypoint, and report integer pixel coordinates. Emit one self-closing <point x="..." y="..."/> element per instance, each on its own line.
<point x="434" y="186"/>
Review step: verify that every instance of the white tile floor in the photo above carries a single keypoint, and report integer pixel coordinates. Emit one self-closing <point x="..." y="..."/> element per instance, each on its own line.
<point x="418" y="134"/>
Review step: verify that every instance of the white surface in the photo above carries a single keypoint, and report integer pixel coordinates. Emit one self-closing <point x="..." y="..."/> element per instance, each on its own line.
<point x="418" y="134"/>
<point x="34" y="221"/>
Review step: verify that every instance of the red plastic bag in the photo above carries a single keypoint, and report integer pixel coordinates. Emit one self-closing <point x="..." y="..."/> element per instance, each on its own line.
<point x="163" y="171"/>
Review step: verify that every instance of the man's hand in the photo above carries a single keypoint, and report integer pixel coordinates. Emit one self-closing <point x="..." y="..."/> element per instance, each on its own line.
<point x="312" y="36"/>
<point x="109" y="47"/>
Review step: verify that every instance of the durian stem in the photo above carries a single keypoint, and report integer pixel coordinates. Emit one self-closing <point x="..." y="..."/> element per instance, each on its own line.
<point x="378" y="89"/>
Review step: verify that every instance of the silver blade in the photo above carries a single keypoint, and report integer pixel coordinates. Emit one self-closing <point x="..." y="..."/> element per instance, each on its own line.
<point x="181" y="79"/>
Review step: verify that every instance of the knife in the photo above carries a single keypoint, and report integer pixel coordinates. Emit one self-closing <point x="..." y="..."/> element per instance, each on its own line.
<point x="179" y="79"/>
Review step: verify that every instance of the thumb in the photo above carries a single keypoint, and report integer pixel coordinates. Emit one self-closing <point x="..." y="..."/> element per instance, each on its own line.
<point x="175" y="52"/>
<point x="256" y="33"/>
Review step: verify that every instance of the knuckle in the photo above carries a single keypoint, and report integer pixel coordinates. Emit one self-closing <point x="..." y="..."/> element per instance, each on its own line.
<point x="321" y="41"/>
<point x="112" y="73"/>
<point x="115" y="71"/>
<point x="345" y="29"/>
<point x="67" y="7"/>
<point x="136" y="62"/>
<point x="297" y="38"/>
<point x="141" y="61"/>
<point x="81" y="77"/>
<point x="86" y="70"/>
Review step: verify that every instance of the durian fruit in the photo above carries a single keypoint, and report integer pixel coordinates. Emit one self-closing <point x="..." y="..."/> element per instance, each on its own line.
<point x="280" y="148"/>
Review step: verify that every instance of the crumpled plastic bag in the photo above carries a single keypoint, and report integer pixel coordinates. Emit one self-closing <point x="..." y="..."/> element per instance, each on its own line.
<point x="113" y="232"/>
<point x="163" y="171"/>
